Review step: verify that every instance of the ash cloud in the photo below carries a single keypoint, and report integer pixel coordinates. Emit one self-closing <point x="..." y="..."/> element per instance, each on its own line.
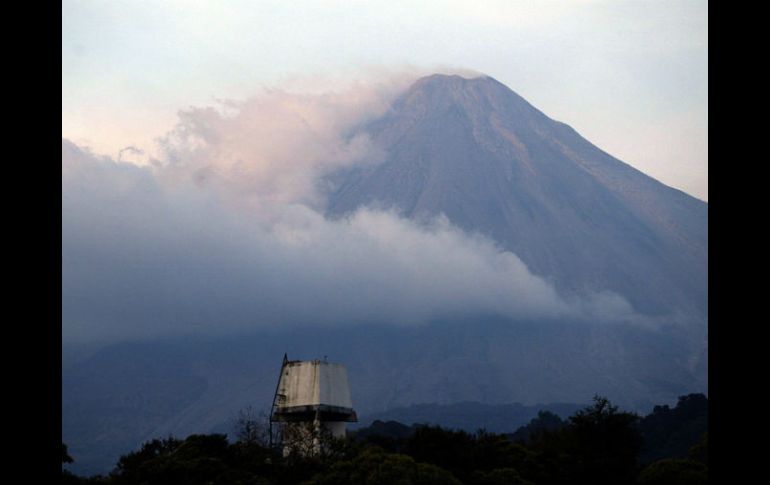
<point x="224" y="232"/>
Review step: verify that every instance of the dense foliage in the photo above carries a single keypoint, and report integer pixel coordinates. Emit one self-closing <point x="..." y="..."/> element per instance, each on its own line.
<point x="597" y="445"/>
<point x="672" y="432"/>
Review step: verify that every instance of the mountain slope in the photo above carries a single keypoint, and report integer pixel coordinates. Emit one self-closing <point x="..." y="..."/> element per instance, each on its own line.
<point x="475" y="151"/>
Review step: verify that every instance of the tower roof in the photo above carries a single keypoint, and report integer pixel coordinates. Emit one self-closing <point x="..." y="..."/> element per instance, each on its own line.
<point x="310" y="387"/>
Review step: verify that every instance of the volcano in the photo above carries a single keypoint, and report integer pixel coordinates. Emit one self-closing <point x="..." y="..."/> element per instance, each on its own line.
<point x="478" y="153"/>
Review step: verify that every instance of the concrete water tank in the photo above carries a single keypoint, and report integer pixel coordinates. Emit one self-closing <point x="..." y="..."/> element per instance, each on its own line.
<point x="312" y="401"/>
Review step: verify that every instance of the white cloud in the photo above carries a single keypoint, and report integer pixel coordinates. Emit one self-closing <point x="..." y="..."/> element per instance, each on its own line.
<point x="224" y="231"/>
<point x="225" y="234"/>
<point x="274" y="147"/>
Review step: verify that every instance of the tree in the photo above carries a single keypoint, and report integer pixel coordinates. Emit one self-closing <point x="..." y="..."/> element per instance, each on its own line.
<point x="674" y="471"/>
<point x="545" y="422"/>
<point x="133" y="466"/>
<point x="700" y="451"/>
<point x="449" y="449"/>
<point x="65" y="457"/>
<point x="312" y="440"/>
<point x="499" y="476"/>
<point x="605" y="442"/>
<point x="66" y="476"/>
<point x="252" y="427"/>
<point x="199" y="459"/>
<point x="670" y="433"/>
<point x="374" y="466"/>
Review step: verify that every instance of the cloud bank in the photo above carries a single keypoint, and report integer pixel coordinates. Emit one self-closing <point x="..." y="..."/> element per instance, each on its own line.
<point x="224" y="232"/>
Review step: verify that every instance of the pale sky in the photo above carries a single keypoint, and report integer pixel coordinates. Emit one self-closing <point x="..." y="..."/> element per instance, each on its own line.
<point x="630" y="76"/>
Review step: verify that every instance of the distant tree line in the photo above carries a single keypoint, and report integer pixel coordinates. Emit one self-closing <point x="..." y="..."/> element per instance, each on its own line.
<point x="598" y="445"/>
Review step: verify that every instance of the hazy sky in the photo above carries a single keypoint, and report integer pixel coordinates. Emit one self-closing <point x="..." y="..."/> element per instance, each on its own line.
<point x="631" y="76"/>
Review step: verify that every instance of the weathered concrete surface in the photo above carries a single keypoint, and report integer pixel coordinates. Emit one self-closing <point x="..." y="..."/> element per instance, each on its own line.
<point x="314" y="383"/>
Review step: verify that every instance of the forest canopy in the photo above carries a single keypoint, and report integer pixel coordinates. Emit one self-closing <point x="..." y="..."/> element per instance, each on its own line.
<point x="599" y="444"/>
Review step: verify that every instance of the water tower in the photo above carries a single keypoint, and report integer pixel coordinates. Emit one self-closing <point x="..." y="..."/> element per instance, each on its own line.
<point x="312" y="401"/>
